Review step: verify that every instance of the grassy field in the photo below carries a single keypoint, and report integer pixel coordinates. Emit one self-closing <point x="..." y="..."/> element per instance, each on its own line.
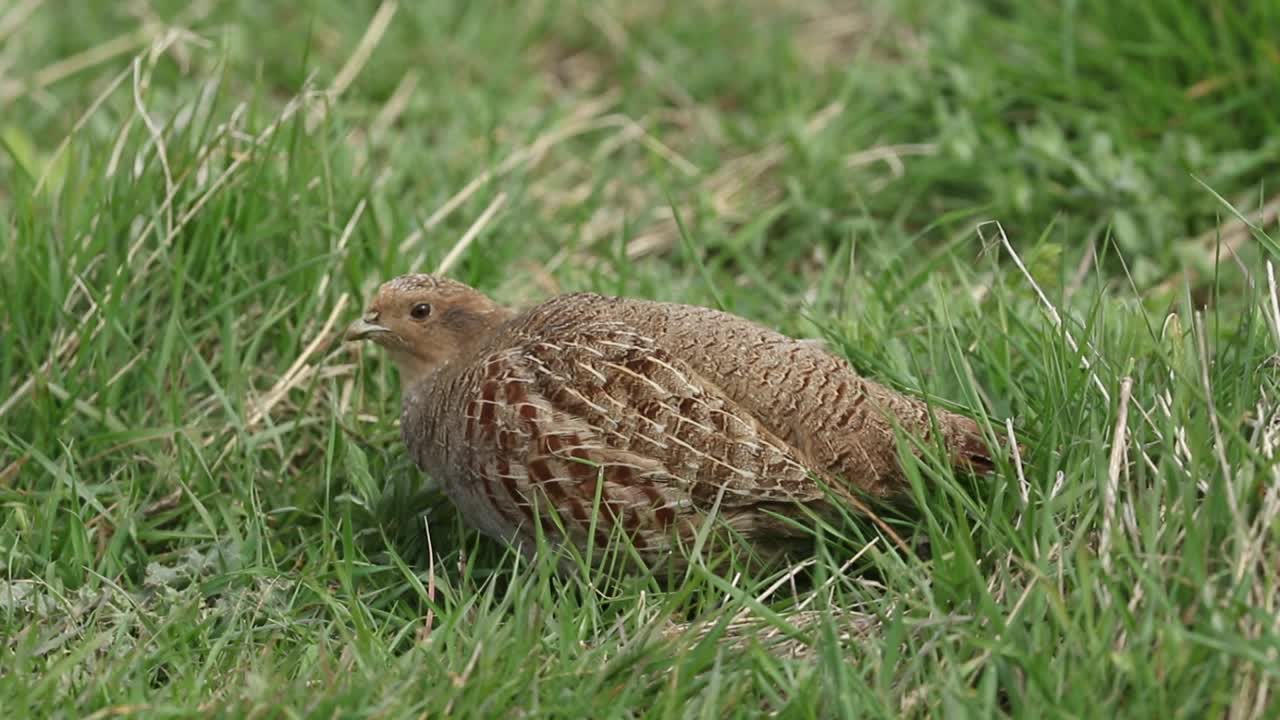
<point x="1057" y="216"/>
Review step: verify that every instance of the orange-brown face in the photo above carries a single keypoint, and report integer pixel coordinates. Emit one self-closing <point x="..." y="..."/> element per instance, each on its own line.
<point x="424" y="322"/>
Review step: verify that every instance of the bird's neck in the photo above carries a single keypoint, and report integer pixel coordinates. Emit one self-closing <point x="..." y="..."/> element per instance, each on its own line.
<point x="415" y="371"/>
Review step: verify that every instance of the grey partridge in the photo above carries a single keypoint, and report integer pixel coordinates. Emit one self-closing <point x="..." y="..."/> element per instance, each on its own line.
<point x="589" y="415"/>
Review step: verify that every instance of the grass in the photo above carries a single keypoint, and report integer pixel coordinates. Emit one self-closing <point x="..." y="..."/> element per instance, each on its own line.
<point x="204" y="506"/>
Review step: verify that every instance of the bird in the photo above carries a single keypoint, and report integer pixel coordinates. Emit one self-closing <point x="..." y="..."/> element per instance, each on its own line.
<point x="589" y="418"/>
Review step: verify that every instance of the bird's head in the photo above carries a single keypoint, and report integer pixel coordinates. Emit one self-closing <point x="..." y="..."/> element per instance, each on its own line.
<point x="425" y="321"/>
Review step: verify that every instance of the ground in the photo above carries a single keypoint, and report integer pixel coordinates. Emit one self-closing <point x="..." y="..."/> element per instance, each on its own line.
<point x="1053" y="216"/>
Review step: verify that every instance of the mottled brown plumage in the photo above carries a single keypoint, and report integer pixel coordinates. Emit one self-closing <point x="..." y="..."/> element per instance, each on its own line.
<point x="593" y="414"/>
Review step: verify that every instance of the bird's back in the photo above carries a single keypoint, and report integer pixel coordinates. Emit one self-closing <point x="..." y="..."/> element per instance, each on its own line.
<point x="842" y="423"/>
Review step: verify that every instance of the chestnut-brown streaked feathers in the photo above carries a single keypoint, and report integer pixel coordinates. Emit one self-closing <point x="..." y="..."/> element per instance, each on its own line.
<point x="590" y="417"/>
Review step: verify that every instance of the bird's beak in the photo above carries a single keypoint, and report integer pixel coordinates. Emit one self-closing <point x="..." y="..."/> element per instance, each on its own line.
<point x="364" y="328"/>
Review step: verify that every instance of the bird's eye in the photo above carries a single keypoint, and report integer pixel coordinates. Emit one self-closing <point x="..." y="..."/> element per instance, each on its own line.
<point x="420" y="311"/>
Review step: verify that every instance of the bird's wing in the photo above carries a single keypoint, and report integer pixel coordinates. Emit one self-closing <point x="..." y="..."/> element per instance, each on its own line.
<point x="603" y="416"/>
